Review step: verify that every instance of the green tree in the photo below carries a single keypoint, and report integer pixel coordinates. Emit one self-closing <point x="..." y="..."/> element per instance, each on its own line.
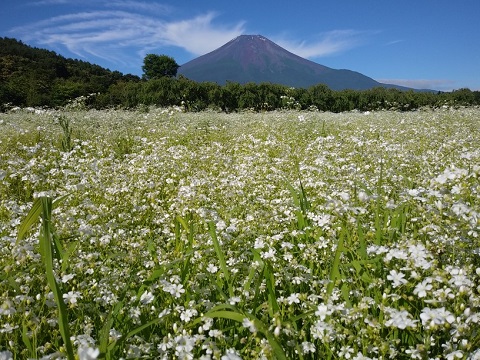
<point x="158" y="66"/>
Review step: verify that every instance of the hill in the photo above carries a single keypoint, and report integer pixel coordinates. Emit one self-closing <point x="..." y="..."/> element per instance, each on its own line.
<point x="254" y="58"/>
<point x="38" y="77"/>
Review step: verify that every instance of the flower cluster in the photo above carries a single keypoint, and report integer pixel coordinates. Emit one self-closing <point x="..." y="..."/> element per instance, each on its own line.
<point x="228" y="236"/>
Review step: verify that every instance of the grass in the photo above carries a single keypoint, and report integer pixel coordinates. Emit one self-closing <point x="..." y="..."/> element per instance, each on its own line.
<point x="282" y="235"/>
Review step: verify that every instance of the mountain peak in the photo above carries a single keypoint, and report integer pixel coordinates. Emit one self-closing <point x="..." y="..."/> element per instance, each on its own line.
<point x="255" y="58"/>
<point x="250" y="37"/>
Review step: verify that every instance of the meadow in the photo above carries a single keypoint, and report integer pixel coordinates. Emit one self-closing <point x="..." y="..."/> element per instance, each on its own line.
<point x="160" y="234"/>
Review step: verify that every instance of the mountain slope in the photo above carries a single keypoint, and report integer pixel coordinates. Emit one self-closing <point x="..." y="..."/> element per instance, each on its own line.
<point x="254" y="58"/>
<point x="31" y="76"/>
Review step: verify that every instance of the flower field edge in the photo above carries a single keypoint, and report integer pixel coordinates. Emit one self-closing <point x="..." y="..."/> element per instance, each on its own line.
<point x="223" y="236"/>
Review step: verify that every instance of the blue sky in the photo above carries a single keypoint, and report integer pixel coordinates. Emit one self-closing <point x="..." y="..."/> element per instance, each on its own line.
<point x="418" y="43"/>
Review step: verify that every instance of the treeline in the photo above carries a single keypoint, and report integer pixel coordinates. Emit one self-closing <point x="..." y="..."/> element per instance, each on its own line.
<point x="195" y="96"/>
<point x="31" y="77"/>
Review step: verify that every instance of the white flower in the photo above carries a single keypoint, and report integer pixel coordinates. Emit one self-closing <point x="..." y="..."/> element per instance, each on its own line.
<point x="457" y="354"/>
<point x="270" y="254"/>
<point x="345" y="352"/>
<point x="293" y="298"/>
<point x="249" y="324"/>
<point x="433" y="317"/>
<point x="400" y="319"/>
<point x="231" y="354"/>
<point x="68" y="277"/>
<point x="308" y="347"/>
<point x="414" y="353"/>
<point x="422" y="288"/>
<point x="360" y="356"/>
<point x="88" y="353"/>
<point x="188" y="314"/>
<point x="114" y="335"/>
<point x="363" y="196"/>
<point x="174" y="289"/>
<point x="397" y="278"/>
<point x="234" y="300"/>
<point x="323" y="311"/>
<point x="7" y="308"/>
<point x="259" y="243"/>
<point x="146" y="298"/>
<point x="177" y="290"/>
<point x="184" y="346"/>
<point x="320" y="329"/>
<point x="71" y="297"/>
<point x="6" y="355"/>
<point x="212" y="268"/>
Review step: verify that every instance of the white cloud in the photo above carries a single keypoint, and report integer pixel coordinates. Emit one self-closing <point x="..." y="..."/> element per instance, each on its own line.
<point x="49" y="2"/>
<point x="328" y="43"/>
<point x="393" y="42"/>
<point x="150" y="7"/>
<point x="198" y="36"/>
<point x="120" y="35"/>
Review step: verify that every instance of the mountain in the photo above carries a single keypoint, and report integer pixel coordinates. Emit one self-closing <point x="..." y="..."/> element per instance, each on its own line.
<point x="254" y="58"/>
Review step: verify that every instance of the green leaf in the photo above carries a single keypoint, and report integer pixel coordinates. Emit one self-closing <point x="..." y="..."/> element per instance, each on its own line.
<point x="335" y="270"/>
<point x="26" y="340"/>
<point x="220" y="256"/>
<point x="225" y="314"/>
<point x="272" y="296"/>
<point x="31" y="218"/>
<point x="46" y="242"/>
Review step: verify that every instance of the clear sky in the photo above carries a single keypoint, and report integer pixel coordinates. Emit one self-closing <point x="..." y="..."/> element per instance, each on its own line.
<point x="417" y="43"/>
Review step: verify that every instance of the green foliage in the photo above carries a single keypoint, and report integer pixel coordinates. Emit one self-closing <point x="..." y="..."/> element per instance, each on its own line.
<point x="123" y="145"/>
<point x="37" y="77"/>
<point x="158" y="66"/>
<point x="66" y="142"/>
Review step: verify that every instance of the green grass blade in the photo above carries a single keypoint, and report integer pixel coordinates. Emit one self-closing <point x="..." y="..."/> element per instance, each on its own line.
<point x="46" y="246"/>
<point x="226" y="314"/>
<point x="31" y="218"/>
<point x="362" y="244"/>
<point x="104" y="333"/>
<point x="220" y="256"/>
<point x="58" y="201"/>
<point x="133" y="333"/>
<point x="378" y="210"/>
<point x="272" y="296"/>
<point x="300" y="203"/>
<point x="26" y="340"/>
<point x="253" y="270"/>
<point x="335" y="270"/>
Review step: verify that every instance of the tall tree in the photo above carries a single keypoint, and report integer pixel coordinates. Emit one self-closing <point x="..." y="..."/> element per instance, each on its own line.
<point x="158" y="66"/>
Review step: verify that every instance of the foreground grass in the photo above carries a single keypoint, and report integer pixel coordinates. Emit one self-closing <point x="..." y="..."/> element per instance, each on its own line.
<point x="279" y="235"/>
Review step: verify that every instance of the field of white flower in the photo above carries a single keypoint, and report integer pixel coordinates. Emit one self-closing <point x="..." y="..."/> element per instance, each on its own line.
<point x="281" y="235"/>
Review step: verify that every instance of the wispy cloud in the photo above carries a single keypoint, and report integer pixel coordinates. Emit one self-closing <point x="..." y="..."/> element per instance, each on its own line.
<point x="198" y="36"/>
<point x="127" y="29"/>
<point x="144" y="6"/>
<point x="49" y="2"/>
<point x="433" y="84"/>
<point x="393" y="42"/>
<point x="327" y="43"/>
